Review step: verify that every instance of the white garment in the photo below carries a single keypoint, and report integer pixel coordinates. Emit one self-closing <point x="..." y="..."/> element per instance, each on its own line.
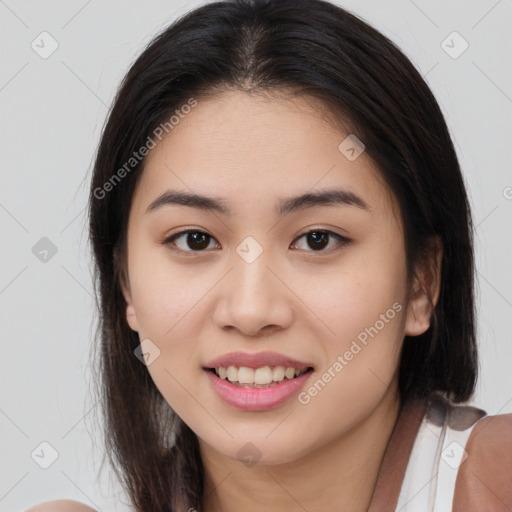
<point x="437" y="453"/>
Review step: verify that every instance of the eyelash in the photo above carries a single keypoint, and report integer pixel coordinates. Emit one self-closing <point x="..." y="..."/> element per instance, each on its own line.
<point x="169" y="241"/>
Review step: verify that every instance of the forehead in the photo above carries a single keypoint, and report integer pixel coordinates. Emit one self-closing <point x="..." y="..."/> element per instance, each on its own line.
<point x="250" y="149"/>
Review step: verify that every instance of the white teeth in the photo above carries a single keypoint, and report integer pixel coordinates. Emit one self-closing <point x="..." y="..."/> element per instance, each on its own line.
<point x="259" y="377"/>
<point x="278" y="373"/>
<point x="232" y="373"/>
<point x="245" y="375"/>
<point x="263" y="375"/>
<point x="289" y="373"/>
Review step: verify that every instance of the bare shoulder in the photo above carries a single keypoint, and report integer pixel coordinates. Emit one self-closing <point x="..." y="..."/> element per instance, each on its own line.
<point x="485" y="475"/>
<point x="494" y="430"/>
<point x="61" y="506"/>
<point x="489" y="446"/>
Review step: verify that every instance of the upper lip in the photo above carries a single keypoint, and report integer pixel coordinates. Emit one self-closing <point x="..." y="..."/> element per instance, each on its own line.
<point x="256" y="360"/>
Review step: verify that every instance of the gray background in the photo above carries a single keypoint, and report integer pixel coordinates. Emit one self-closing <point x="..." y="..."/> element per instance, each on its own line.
<point x="52" y="111"/>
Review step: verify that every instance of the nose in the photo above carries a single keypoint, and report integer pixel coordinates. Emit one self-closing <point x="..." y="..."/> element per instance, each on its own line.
<point x="254" y="299"/>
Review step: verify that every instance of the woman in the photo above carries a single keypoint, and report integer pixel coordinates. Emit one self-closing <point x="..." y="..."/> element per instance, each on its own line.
<point x="284" y="256"/>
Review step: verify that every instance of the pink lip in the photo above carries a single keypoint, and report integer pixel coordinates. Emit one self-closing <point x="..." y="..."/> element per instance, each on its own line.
<point x="256" y="360"/>
<point x="256" y="399"/>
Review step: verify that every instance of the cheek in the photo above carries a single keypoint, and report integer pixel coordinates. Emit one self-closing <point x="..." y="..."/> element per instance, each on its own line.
<point x="364" y="306"/>
<point x="164" y="294"/>
<point x="353" y="298"/>
<point x="168" y="306"/>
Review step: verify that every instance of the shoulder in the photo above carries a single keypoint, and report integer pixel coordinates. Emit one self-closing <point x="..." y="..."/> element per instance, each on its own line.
<point x="484" y="479"/>
<point x="60" y="506"/>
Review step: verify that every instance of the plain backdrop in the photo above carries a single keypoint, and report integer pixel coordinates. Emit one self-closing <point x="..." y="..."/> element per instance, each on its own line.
<point x="52" y="111"/>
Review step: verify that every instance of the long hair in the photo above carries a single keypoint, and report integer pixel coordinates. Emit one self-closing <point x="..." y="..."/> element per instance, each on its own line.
<point x="311" y="47"/>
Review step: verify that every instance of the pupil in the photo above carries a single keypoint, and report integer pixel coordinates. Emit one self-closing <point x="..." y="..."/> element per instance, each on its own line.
<point x="316" y="238"/>
<point x="196" y="237"/>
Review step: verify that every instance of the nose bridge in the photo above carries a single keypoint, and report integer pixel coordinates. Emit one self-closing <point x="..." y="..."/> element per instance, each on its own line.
<point x="253" y="297"/>
<point x="252" y="277"/>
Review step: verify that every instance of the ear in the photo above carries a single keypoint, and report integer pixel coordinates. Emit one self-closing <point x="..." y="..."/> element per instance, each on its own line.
<point x="124" y="283"/>
<point x="131" y="317"/>
<point x="425" y="290"/>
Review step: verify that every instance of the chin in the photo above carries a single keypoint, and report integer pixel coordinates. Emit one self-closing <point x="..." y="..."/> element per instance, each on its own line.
<point x="260" y="451"/>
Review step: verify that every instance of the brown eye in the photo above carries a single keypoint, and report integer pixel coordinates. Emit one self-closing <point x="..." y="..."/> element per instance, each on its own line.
<point x="197" y="240"/>
<point x="319" y="239"/>
<point x="193" y="241"/>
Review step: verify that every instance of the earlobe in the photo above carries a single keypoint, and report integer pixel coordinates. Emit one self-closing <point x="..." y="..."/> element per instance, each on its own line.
<point x="122" y="278"/>
<point x="131" y="317"/>
<point x="425" y="291"/>
<point x="419" y="312"/>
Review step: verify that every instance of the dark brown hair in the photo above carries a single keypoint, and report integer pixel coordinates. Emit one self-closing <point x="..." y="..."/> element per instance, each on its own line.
<point x="311" y="47"/>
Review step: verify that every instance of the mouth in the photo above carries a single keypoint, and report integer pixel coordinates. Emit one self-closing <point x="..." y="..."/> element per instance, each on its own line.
<point x="254" y="389"/>
<point x="262" y="377"/>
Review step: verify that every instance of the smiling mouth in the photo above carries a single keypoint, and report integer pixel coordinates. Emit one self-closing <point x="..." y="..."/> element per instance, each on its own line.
<point x="265" y="377"/>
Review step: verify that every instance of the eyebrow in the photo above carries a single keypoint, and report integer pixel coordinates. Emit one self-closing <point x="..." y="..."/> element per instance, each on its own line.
<point x="284" y="206"/>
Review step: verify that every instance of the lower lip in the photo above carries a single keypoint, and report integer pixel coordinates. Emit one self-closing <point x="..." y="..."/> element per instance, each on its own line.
<point x="257" y="399"/>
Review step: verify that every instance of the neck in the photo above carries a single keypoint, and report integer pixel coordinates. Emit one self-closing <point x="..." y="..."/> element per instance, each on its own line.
<point x="341" y="474"/>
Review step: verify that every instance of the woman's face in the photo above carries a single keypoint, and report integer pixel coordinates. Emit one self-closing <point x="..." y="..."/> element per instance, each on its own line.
<point x="251" y="280"/>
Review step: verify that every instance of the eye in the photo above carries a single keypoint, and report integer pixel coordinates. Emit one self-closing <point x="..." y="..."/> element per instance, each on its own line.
<point x="318" y="239"/>
<point x="193" y="239"/>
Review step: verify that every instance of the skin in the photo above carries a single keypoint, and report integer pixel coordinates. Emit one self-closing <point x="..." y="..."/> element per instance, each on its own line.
<point x="295" y="300"/>
<point x="61" y="506"/>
